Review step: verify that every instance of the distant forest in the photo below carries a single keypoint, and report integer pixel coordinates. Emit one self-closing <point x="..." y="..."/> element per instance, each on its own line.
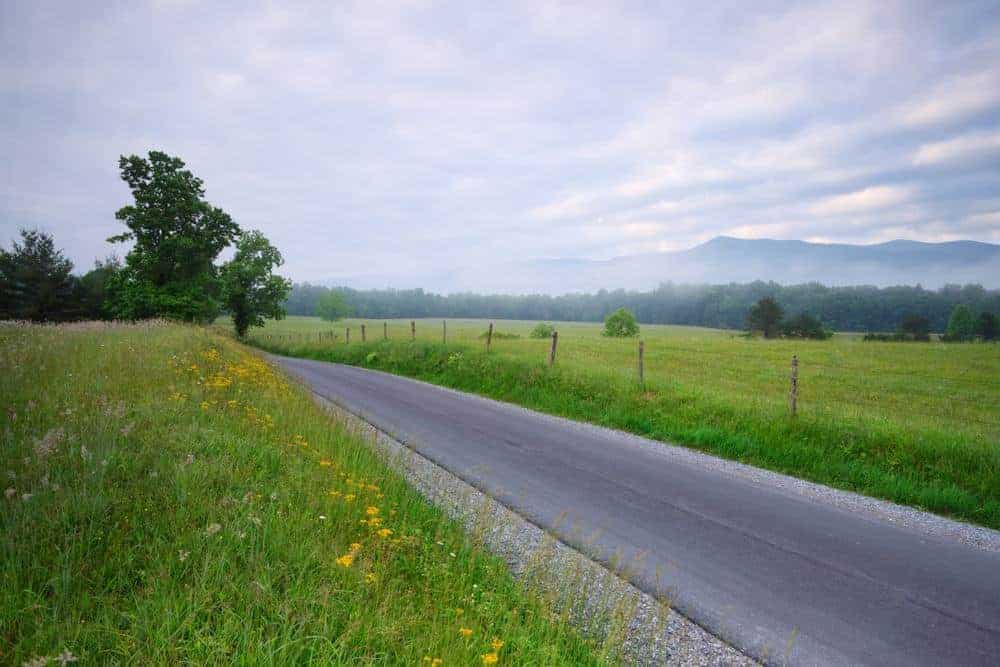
<point x="719" y="306"/>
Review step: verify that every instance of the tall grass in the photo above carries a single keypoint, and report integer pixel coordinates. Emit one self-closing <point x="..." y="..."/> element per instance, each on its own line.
<point x="169" y="498"/>
<point x="916" y="424"/>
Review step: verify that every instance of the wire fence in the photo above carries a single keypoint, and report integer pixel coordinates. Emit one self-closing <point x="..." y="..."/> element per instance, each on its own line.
<point x="801" y="381"/>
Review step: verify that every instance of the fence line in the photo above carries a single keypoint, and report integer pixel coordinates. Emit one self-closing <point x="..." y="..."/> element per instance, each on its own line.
<point x="761" y="362"/>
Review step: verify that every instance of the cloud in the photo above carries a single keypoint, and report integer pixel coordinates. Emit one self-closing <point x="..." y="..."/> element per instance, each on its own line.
<point x="868" y="199"/>
<point x="390" y="141"/>
<point x="964" y="148"/>
<point x="955" y="99"/>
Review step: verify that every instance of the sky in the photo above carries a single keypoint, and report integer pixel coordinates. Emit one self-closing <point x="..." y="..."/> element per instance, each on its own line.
<point x="375" y="144"/>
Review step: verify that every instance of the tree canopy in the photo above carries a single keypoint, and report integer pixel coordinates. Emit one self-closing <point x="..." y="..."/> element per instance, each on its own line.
<point x="250" y="289"/>
<point x="36" y="281"/>
<point x="177" y="235"/>
<point x="765" y="317"/>
<point x="961" y="324"/>
<point x="332" y="306"/>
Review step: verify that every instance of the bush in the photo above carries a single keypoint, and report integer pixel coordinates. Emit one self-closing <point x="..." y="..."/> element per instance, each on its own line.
<point x="620" y="324"/>
<point x="804" y="325"/>
<point x="542" y="330"/>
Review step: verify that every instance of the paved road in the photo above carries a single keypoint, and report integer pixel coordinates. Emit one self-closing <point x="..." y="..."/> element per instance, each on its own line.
<point x="759" y="567"/>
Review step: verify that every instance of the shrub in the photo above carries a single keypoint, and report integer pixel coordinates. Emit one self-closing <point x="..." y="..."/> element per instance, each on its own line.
<point x="804" y="325"/>
<point x="542" y="330"/>
<point x="620" y="324"/>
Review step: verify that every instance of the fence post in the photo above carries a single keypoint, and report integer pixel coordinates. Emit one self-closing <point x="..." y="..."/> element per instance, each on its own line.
<point x="793" y="393"/>
<point x="642" y="384"/>
<point x="348" y="335"/>
<point x="444" y="332"/>
<point x="552" y="352"/>
<point x="363" y="338"/>
<point x="489" y="337"/>
<point x="385" y="331"/>
<point x="413" y="330"/>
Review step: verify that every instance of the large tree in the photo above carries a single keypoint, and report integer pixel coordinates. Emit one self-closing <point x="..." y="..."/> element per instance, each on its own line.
<point x="332" y="306"/>
<point x="251" y="291"/>
<point x="35" y="280"/>
<point x="765" y="317"/>
<point x="961" y="324"/>
<point x="177" y="236"/>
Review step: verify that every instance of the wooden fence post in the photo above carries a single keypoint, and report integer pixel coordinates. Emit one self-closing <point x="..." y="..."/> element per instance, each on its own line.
<point x="348" y="335"/>
<point x="363" y="338"/>
<point x="413" y="330"/>
<point x="552" y="352"/>
<point x="385" y="331"/>
<point x="489" y="337"/>
<point x="444" y="332"/>
<point x="793" y="393"/>
<point x="642" y="384"/>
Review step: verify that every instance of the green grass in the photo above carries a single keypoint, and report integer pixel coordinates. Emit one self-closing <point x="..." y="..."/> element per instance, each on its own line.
<point x="172" y="499"/>
<point x="918" y="424"/>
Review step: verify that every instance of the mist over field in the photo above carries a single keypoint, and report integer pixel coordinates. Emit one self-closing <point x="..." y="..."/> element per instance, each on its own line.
<point x="719" y="261"/>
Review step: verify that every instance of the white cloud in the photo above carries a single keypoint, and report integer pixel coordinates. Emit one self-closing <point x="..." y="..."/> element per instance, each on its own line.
<point x="867" y="199"/>
<point x="963" y="148"/>
<point x="955" y="99"/>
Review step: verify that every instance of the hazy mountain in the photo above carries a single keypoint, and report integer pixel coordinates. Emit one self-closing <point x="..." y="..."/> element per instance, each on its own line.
<point x="725" y="259"/>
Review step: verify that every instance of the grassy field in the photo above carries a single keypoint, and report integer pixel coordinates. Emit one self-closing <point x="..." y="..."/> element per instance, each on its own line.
<point x="914" y="423"/>
<point x="170" y="499"/>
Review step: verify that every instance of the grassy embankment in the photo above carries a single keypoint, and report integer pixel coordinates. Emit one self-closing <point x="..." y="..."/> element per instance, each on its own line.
<point x="918" y="424"/>
<point x="170" y="499"/>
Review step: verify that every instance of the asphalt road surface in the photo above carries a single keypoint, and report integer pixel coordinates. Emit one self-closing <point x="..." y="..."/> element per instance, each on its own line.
<point x="770" y="571"/>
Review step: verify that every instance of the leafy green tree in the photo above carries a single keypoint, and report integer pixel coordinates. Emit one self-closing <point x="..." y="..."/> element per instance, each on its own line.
<point x="251" y="291"/>
<point x="804" y="325"/>
<point x="177" y="235"/>
<point x="542" y="330"/>
<point x="961" y="324"/>
<point x="620" y="324"/>
<point x="765" y="317"/>
<point x="332" y="306"/>
<point x="36" y="282"/>
<point x="988" y="327"/>
<point x="92" y="287"/>
<point x="915" y="327"/>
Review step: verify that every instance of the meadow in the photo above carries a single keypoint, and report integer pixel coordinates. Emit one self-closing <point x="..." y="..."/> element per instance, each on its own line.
<point x="917" y="423"/>
<point x="170" y="498"/>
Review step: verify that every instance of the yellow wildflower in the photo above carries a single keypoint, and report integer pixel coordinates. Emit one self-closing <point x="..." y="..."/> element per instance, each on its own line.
<point x="355" y="547"/>
<point x="346" y="560"/>
<point x="496" y="644"/>
<point x="490" y="658"/>
<point x="465" y="632"/>
<point x="385" y="532"/>
<point x="371" y="510"/>
<point x="370" y="578"/>
<point x="349" y="497"/>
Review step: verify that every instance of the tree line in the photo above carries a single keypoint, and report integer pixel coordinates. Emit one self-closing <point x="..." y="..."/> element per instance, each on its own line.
<point x="862" y="308"/>
<point x="170" y="270"/>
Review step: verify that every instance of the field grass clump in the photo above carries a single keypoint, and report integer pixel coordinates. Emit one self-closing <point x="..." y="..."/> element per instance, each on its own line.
<point x="170" y="498"/>
<point x="914" y="424"/>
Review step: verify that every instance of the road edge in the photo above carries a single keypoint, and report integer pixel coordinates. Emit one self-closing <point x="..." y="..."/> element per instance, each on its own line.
<point x="650" y="631"/>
